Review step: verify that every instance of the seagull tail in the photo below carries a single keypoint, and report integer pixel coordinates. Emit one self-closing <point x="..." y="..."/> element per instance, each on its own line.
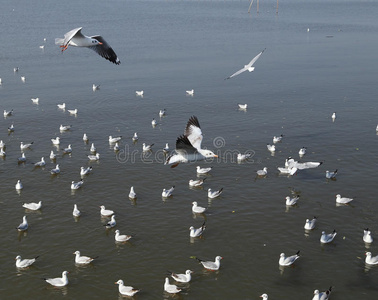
<point x="59" y="41"/>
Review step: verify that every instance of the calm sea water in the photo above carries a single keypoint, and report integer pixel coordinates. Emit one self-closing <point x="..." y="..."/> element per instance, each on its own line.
<point x="167" y="47"/>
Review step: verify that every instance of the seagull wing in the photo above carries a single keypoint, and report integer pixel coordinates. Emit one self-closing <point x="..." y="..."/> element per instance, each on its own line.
<point x="193" y="132"/>
<point x="237" y="73"/>
<point x="184" y="146"/>
<point x="255" y="58"/>
<point x="68" y="36"/>
<point x="105" y="50"/>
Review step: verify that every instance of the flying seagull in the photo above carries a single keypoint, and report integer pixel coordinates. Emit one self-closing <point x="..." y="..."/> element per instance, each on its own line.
<point x="96" y="43"/>
<point x="247" y="67"/>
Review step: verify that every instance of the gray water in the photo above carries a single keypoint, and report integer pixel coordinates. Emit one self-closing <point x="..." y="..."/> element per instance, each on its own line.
<point x="167" y="47"/>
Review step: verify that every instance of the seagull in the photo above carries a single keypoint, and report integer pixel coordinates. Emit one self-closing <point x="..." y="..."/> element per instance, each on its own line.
<point x="197" y="209"/>
<point x="139" y="93"/>
<point x="242" y="106"/>
<point x="162" y="113"/>
<point x="11" y="128"/>
<point x="24" y="263"/>
<point x="277" y="139"/>
<point x="85" y="137"/>
<point x="331" y="175"/>
<point x="85" y="171"/>
<point x="287" y="261"/>
<point x="211" y="265"/>
<point x="56" y="141"/>
<point x="24" y="225"/>
<point x="116" y="147"/>
<point x="25" y="146"/>
<point x="126" y="290"/>
<point x="147" y="147"/>
<point x="76" y="185"/>
<point x="55" y="171"/>
<point x="76" y="212"/>
<point x="170" y="288"/>
<point x="262" y="172"/>
<point x="190" y="93"/>
<point x="185" y="278"/>
<point x="16" y="69"/>
<point x="243" y="157"/>
<point x="213" y="194"/>
<point x="166" y="148"/>
<point x="22" y="158"/>
<point x="287" y="170"/>
<point x="113" y="140"/>
<point x="343" y="200"/>
<point x="310" y="224"/>
<point x="188" y="145"/>
<point x="112" y="223"/>
<point x="72" y="111"/>
<point x="167" y="193"/>
<point x="132" y="194"/>
<point x="327" y="238"/>
<point x="371" y="260"/>
<point x="203" y="170"/>
<point x="93" y="148"/>
<point x="95" y="87"/>
<point x="2" y="152"/>
<point x="2" y="144"/>
<point x="67" y="150"/>
<point x="196" y="232"/>
<point x="196" y="183"/>
<point x="94" y="157"/>
<point x="153" y="122"/>
<point x="8" y="113"/>
<point x="121" y="238"/>
<point x="83" y="260"/>
<point x="52" y="155"/>
<point x="19" y="185"/>
<point x="35" y="100"/>
<point x="247" y="67"/>
<point x="302" y="151"/>
<point x="135" y="137"/>
<point x="106" y="212"/>
<point x="64" y="127"/>
<point x="322" y="295"/>
<point x="291" y="201"/>
<point x="291" y="163"/>
<point x="264" y="296"/>
<point x="59" y="281"/>
<point x="333" y="116"/>
<point x="271" y="148"/>
<point x="61" y="106"/>
<point x="23" y="78"/>
<point x="41" y="163"/>
<point x="367" y="238"/>
<point x="96" y="43"/>
<point x="32" y="205"/>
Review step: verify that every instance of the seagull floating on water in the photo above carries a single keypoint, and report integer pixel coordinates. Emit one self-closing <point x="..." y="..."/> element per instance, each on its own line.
<point x="76" y="185"/>
<point x="147" y="147"/>
<point x="367" y="238"/>
<point x="126" y="290"/>
<point x="287" y="170"/>
<point x="61" y="106"/>
<point x="262" y="172"/>
<point x="72" y="111"/>
<point x="85" y="138"/>
<point x="162" y="113"/>
<point x="196" y="232"/>
<point x="65" y="127"/>
<point x="52" y="155"/>
<point x="23" y="78"/>
<point x="197" y="209"/>
<point x="166" y="148"/>
<point x="167" y="193"/>
<point x="32" y="205"/>
<point x="97" y="43"/>
<point x="24" y="263"/>
<point x="25" y="146"/>
<point x="271" y="148"/>
<point x="287" y="261"/>
<point x="211" y="265"/>
<point x="291" y="163"/>
<point x="371" y="260"/>
<point x="343" y="200"/>
<point x="93" y="148"/>
<point x="132" y="194"/>
<point x="184" y="278"/>
<point x="85" y="171"/>
<point x="310" y="224"/>
<point x="322" y="295"/>
<point x="135" y="137"/>
<point x="11" y="128"/>
<point x="331" y="175"/>
<point x="203" y="170"/>
<point x="67" y="150"/>
<point x="188" y="145"/>
<point x="139" y="93"/>
<point x="35" y="100"/>
<point x="59" y="281"/>
<point x="333" y="116"/>
<point x="248" y="67"/>
<point x="105" y="212"/>
<point x="243" y="106"/>
<point x="327" y="238"/>
<point x="115" y="139"/>
<point x="196" y="183"/>
<point x="116" y="147"/>
<point x="302" y="151"/>
<point x="264" y="297"/>
<point x="41" y="163"/>
<point x="19" y="185"/>
<point x="170" y="288"/>
<point x="82" y="260"/>
<point x="95" y="87"/>
<point x="277" y="139"/>
<point x="112" y="223"/>
<point x="94" y="157"/>
<point x="153" y="122"/>
<point x="24" y="225"/>
<point x="214" y="194"/>
<point x="76" y="212"/>
<point x="22" y="158"/>
<point x="243" y="157"/>
<point x="56" y="170"/>
<point x="8" y="113"/>
<point x="121" y="238"/>
<point x="56" y="141"/>
<point x="291" y="201"/>
<point x="190" y="92"/>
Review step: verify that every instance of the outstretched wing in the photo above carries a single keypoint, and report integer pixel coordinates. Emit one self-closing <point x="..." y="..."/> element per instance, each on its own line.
<point x="68" y="36"/>
<point x="255" y="58"/>
<point x="184" y="146"/>
<point x="105" y="50"/>
<point x="237" y="73"/>
<point x="193" y="132"/>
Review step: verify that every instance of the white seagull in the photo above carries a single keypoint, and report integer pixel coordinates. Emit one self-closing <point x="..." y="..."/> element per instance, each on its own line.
<point x="185" y="278"/>
<point x="343" y="200"/>
<point x="327" y="238"/>
<point x="167" y="193"/>
<point x="287" y="261"/>
<point x="19" y="185"/>
<point x="61" y="106"/>
<point x="243" y="157"/>
<point x="190" y="92"/>
<point x="371" y="260"/>
<point x="85" y="137"/>
<point x="93" y="148"/>
<point x="291" y="201"/>
<point x="262" y="172"/>
<point x="112" y="223"/>
<point x="188" y="145"/>
<point x="55" y="141"/>
<point x="85" y="171"/>
<point x="242" y="106"/>
<point x="310" y="224"/>
<point x="126" y="290"/>
<point x="211" y="265"/>
<point x="322" y="295"/>
<point x="135" y="137"/>
<point x="11" y="128"/>
<point x="132" y="194"/>
<point x="115" y="139"/>
<point x="76" y="185"/>
<point x="213" y="194"/>
<point x="248" y="67"/>
<point x="197" y="209"/>
<point x="25" y="146"/>
<point x="302" y="151"/>
<point x="8" y="113"/>
<point x="271" y="148"/>
<point x="52" y="155"/>
<point x="166" y="148"/>
<point x="287" y="170"/>
<point x="67" y="150"/>
<point x="72" y="111"/>
<point x="41" y="163"/>
<point x="95" y="87"/>
<point x="264" y="296"/>
<point x="367" y="238"/>
<point x="94" y="157"/>
<point x="22" y="158"/>
<point x="82" y="260"/>
<point x="139" y="93"/>
<point x="170" y="288"/>
<point x="162" y="113"/>
<point x="35" y="100"/>
<point x="105" y="212"/>
<point x="96" y="43"/>
<point x="277" y="139"/>
<point x="196" y="232"/>
<point x="147" y="147"/>
<point x="32" y="205"/>
<point x="291" y="163"/>
<point x="59" y="281"/>
<point x="331" y="175"/>
<point x="64" y="127"/>
<point x="203" y="170"/>
<point x="76" y="212"/>
<point x="153" y="122"/>
<point x="196" y="183"/>
<point x="333" y="116"/>
<point x="24" y="263"/>
<point x="56" y="170"/>
<point x="121" y="238"/>
<point x="24" y="225"/>
<point x="116" y="147"/>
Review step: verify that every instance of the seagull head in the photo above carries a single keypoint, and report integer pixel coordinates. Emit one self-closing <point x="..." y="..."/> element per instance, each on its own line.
<point x="207" y="153"/>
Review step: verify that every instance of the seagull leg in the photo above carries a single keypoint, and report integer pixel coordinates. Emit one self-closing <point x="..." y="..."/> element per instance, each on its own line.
<point x="64" y="47"/>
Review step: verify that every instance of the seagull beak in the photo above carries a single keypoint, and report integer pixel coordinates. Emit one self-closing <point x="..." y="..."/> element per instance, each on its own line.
<point x="215" y="155"/>
<point x="115" y="283"/>
<point x="99" y="43"/>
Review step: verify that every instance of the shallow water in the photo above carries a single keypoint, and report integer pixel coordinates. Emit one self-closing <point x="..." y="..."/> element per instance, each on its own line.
<point x="167" y="47"/>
